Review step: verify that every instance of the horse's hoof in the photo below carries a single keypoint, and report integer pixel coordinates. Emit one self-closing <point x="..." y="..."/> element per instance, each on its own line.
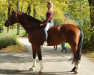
<point x="40" y="72"/>
<point x="73" y="70"/>
<point x="76" y="72"/>
<point x="31" y="69"/>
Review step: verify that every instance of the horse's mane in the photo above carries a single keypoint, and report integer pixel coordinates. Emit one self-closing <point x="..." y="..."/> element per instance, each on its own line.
<point x="31" y="18"/>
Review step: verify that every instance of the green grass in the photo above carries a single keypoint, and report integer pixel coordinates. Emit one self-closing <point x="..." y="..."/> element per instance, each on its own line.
<point x="67" y="45"/>
<point x="24" y="34"/>
<point x="8" y="40"/>
<point x="14" y="31"/>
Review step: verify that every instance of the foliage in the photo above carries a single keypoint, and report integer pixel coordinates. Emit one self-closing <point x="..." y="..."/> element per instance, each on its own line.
<point x="78" y="10"/>
<point x="75" y="9"/>
<point x="24" y="34"/>
<point x="60" y="20"/>
<point x="88" y="34"/>
<point x="7" y="40"/>
<point x="14" y="31"/>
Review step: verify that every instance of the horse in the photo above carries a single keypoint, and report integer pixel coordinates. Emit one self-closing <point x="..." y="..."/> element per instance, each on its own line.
<point x="57" y="34"/>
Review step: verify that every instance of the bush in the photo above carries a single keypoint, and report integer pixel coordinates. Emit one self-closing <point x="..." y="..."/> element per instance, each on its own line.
<point x="58" y="17"/>
<point x="24" y="34"/>
<point x="57" y="21"/>
<point x="8" y="40"/>
<point x="88" y="40"/>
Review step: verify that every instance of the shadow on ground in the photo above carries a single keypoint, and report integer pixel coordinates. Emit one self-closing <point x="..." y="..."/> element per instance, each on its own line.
<point x="13" y="57"/>
<point x="26" y="72"/>
<point x="23" y="60"/>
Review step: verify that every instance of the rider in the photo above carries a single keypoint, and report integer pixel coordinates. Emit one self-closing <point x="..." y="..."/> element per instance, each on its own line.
<point x="48" y="23"/>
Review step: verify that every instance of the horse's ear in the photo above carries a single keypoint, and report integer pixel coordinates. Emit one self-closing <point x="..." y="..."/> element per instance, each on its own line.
<point x="15" y="12"/>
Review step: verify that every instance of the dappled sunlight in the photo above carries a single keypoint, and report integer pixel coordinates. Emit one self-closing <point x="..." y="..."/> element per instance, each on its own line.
<point x="55" y="62"/>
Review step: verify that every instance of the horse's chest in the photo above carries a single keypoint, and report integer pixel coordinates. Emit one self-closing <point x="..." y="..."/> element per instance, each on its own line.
<point x="36" y="37"/>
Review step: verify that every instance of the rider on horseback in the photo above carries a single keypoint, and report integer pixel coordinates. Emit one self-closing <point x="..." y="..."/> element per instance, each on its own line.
<point x="48" y="23"/>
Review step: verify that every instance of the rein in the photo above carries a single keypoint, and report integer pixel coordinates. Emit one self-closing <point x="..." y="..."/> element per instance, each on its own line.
<point x="35" y="27"/>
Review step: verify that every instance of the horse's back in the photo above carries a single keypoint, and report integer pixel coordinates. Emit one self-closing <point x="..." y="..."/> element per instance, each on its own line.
<point x="56" y="34"/>
<point x="63" y="32"/>
<point x="64" y="28"/>
<point x="71" y="32"/>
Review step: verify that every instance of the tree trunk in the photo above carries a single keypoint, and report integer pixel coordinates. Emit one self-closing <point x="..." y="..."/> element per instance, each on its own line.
<point x="91" y="4"/>
<point x="8" y="16"/>
<point x="18" y="25"/>
<point x="22" y="8"/>
<point x="34" y="11"/>
<point x="28" y="9"/>
<point x="22" y="11"/>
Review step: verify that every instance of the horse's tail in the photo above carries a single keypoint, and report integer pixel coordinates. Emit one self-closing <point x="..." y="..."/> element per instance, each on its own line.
<point x="80" y="45"/>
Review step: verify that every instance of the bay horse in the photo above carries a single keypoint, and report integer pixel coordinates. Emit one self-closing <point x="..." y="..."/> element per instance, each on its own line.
<point x="56" y="35"/>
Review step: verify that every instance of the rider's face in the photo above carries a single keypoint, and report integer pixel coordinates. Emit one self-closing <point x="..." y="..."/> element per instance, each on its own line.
<point x="47" y="5"/>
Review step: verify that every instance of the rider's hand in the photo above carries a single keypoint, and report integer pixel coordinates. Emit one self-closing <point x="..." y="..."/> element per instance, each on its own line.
<point x="41" y="24"/>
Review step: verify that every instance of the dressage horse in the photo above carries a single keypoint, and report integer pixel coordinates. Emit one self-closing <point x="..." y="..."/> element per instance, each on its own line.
<point x="56" y="35"/>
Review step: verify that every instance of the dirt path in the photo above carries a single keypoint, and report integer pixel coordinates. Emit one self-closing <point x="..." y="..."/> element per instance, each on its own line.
<point x="55" y="62"/>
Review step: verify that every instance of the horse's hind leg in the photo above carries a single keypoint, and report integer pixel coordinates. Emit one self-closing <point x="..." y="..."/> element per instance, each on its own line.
<point x="77" y="65"/>
<point x="75" y="60"/>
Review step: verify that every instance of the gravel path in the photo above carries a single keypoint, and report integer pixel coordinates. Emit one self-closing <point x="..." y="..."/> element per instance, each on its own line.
<point x="55" y="62"/>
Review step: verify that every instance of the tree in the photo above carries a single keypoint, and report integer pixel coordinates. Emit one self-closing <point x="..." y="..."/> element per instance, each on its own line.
<point x="9" y="8"/>
<point x="34" y="11"/>
<point x="22" y="6"/>
<point x="18" y="25"/>
<point x="91" y="4"/>
<point x="77" y="10"/>
<point x="29" y="7"/>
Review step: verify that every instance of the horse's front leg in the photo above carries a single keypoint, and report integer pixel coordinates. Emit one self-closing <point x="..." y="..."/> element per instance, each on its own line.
<point x="34" y="61"/>
<point x="40" y="61"/>
<point x="37" y="49"/>
<point x="40" y="58"/>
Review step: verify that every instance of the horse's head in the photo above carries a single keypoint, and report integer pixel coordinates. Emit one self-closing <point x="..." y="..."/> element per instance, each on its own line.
<point x="13" y="18"/>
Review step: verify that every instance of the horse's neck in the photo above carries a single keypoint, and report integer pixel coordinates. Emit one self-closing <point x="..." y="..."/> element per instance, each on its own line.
<point x="28" y="25"/>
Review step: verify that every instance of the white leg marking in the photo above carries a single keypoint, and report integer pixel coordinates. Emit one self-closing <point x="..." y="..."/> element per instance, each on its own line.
<point x="41" y="66"/>
<point x="34" y="63"/>
<point x="77" y="65"/>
